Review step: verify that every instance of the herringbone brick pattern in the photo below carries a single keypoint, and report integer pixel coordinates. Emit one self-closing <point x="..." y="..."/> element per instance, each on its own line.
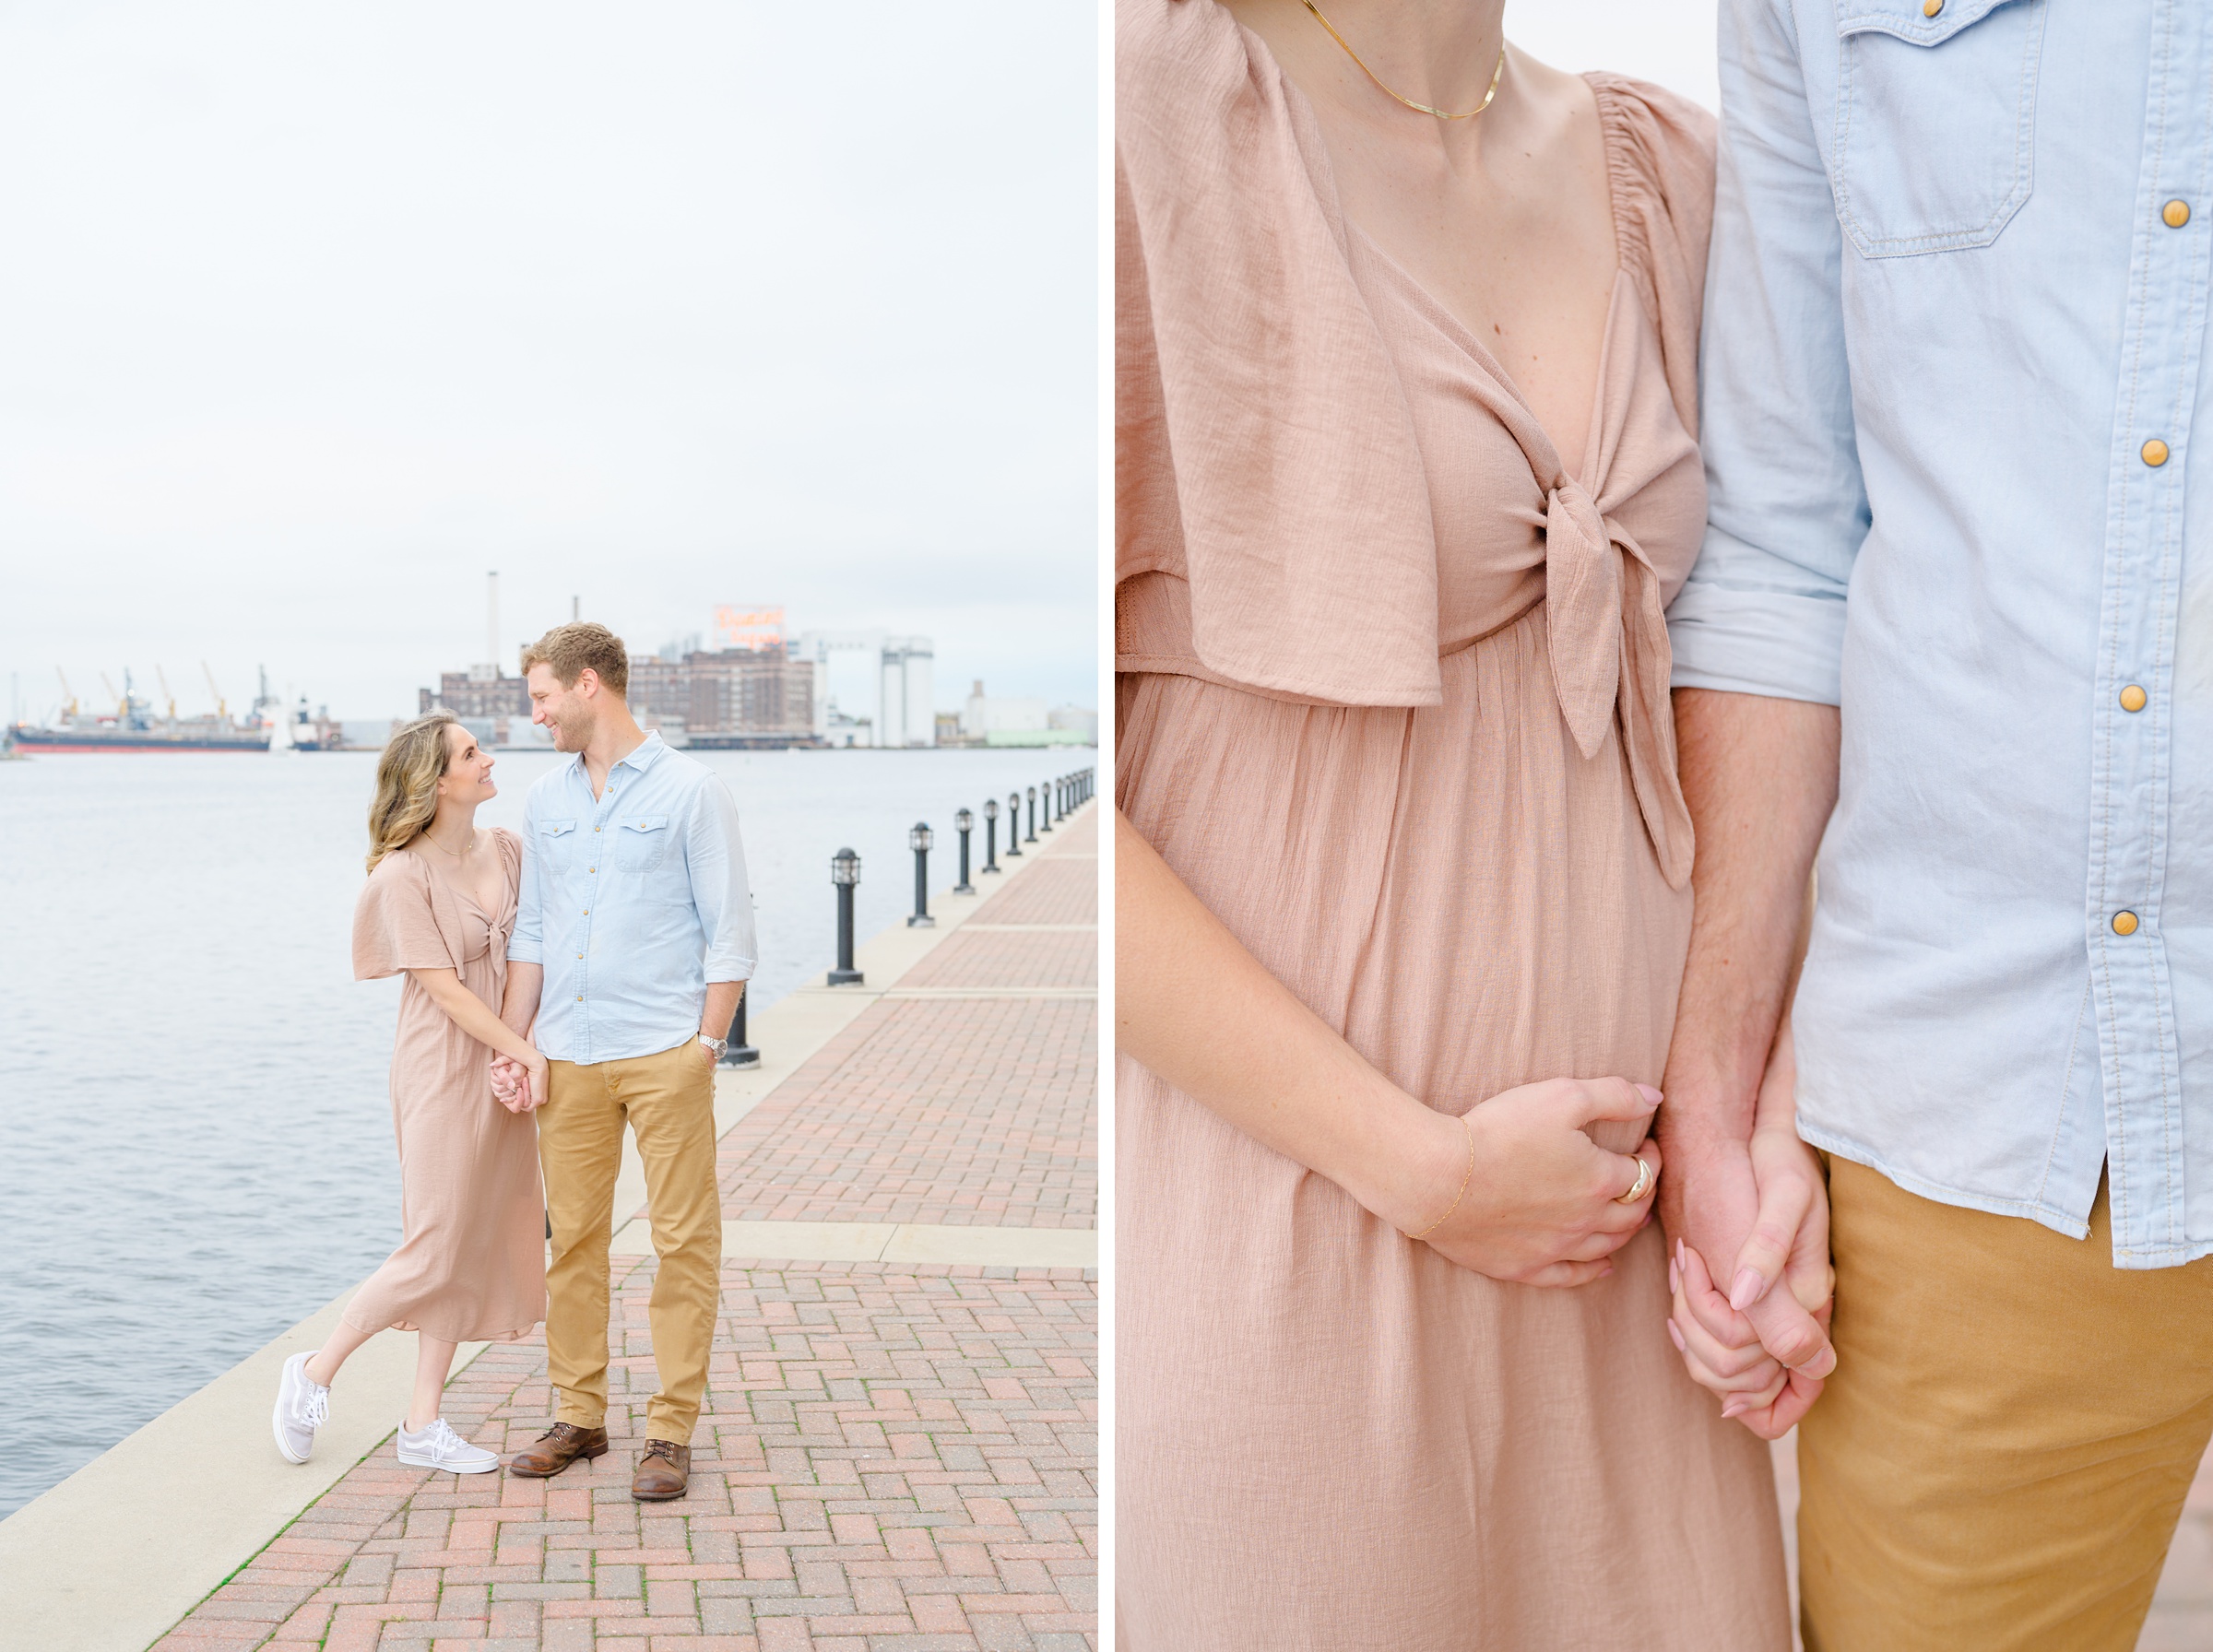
<point x="994" y="958"/>
<point x="1059" y="892"/>
<point x="892" y="1458"/>
<point x="975" y="1111"/>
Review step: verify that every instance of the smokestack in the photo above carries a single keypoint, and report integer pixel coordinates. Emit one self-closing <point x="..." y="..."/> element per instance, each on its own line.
<point x="492" y="619"/>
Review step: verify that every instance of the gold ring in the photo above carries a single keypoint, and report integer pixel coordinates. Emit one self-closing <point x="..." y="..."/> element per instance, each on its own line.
<point x="1643" y="1185"/>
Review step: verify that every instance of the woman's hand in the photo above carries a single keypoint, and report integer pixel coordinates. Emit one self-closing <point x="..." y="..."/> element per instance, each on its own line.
<point x="539" y="1072"/>
<point x="1540" y="1206"/>
<point x="1788" y="1243"/>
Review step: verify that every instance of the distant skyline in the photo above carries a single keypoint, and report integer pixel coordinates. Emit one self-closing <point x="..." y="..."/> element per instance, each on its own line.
<point x="314" y="315"/>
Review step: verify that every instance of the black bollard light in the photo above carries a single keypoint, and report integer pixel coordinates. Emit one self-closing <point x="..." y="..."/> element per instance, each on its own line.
<point x="1033" y="837"/>
<point x="990" y="835"/>
<point x="963" y="822"/>
<point x="1060" y="798"/>
<point x="1046" y="791"/>
<point x="845" y="872"/>
<point x="739" y="1053"/>
<point x="919" y="840"/>
<point x="1014" y="824"/>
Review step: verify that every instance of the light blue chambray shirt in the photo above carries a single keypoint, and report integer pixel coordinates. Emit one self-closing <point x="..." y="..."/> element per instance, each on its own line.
<point x="1945" y="316"/>
<point x="631" y="903"/>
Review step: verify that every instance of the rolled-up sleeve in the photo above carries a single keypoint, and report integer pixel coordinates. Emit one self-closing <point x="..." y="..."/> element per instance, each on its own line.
<point x="1763" y="610"/>
<point x="720" y="894"/>
<point x="525" y="943"/>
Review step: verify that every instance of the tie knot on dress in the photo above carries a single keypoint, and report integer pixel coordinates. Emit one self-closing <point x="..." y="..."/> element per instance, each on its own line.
<point x="1608" y="635"/>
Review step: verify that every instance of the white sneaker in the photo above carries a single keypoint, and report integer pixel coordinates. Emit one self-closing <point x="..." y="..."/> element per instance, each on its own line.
<point x="439" y="1447"/>
<point x="302" y="1407"/>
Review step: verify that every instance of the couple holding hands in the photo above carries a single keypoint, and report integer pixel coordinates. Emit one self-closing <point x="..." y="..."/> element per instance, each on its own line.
<point x="1523" y="481"/>
<point x="598" y="961"/>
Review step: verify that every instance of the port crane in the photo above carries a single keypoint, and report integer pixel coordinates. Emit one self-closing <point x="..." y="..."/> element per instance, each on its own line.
<point x="161" y="677"/>
<point x="68" y="694"/>
<point x="221" y="709"/>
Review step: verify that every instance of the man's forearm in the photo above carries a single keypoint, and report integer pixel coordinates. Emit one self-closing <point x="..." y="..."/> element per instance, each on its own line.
<point x="720" y="1008"/>
<point x="1759" y="775"/>
<point x="519" y="1008"/>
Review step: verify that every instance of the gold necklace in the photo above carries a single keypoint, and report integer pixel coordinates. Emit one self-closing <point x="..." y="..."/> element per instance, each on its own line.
<point x="1439" y="113"/>
<point x="462" y="851"/>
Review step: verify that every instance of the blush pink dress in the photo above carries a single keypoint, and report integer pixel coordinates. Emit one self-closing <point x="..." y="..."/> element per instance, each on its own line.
<point x="471" y="1262"/>
<point x="1392" y="692"/>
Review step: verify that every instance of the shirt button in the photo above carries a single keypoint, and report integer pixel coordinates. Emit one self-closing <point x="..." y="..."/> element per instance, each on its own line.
<point x="2155" y="452"/>
<point x="2132" y="699"/>
<point x="2124" y="923"/>
<point x="2175" y="214"/>
<point x="580" y="995"/>
<point x="1929" y="8"/>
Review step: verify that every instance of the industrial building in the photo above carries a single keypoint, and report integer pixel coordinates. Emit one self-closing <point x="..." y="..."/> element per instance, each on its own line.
<point x="757" y="688"/>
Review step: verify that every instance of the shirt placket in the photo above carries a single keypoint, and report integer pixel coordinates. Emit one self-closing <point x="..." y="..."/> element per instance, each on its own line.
<point x="600" y="815"/>
<point x="2153" y="410"/>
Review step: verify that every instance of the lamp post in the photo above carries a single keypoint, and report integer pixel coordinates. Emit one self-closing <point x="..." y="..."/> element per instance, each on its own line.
<point x="845" y="872"/>
<point x="1014" y="824"/>
<point x="1033" y="837"/>
<point x="1045" y="792"/>
<point x="739" y="1053"/>
<point x="991" y="834"/>
<point x="918" y="839"/>
<point x="963" y="822"/>
<point x="1060" y="798"/>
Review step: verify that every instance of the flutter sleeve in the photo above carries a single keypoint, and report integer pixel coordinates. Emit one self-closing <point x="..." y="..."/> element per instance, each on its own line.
<point x="1264" y="454"/>
<point x="395" y="927"/>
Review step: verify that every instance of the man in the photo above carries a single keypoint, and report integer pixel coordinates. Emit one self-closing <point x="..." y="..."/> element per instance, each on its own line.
<point x="1959" y="580"/>
<point x="633" y="938"/>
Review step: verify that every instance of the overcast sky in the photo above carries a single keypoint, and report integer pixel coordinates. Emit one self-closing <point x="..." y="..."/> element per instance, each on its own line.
<point x="312" y="314"/>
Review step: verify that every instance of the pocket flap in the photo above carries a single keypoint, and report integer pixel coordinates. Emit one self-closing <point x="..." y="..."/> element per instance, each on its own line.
<point x="555" y="828"/>
<point x="1905" y="20"/>
<point x="644" y="822"/>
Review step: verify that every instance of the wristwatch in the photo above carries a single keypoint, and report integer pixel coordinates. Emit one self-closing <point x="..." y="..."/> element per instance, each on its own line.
<point x="714" y="1045"/>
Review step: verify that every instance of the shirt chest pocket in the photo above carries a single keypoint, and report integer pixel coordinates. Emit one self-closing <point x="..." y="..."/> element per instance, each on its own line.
<point x="557" y="843"/>
<point x="1936" y="144"/>
<point x="641" y="841"/>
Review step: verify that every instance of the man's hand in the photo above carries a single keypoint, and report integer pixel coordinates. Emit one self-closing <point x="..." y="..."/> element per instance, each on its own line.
<point x="1763" y="1205"/>
<point x="517" y="1088"/>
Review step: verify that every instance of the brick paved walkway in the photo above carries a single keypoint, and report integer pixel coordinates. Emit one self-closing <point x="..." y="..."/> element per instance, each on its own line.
<point x="892" y="1458"/>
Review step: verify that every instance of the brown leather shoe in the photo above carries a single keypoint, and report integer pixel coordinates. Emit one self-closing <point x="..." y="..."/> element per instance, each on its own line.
<point x="556" y="1449"/>
<point x="664" y="1473"/>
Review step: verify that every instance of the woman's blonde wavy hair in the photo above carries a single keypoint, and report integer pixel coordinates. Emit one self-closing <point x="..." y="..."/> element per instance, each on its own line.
<point x="407" y="784"/>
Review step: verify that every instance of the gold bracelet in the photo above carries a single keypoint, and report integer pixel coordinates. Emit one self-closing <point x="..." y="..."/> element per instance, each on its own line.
<point x="1466" y="1176"/>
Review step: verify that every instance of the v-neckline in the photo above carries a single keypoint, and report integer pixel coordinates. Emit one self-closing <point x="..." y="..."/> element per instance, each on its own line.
<point x="1467" y="339"/>
<point x="1465" y="336"/>
<point x="460" y="891"/>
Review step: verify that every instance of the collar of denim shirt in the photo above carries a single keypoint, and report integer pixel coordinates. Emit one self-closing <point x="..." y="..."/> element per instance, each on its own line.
<point x="638" y="759"/>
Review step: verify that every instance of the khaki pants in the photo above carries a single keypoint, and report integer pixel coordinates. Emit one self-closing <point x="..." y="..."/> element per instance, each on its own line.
<point x="2002" y="1455"/>
<point x="669" y="1099"/>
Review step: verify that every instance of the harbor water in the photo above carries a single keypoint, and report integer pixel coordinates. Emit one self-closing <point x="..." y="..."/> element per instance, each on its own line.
<point x="195" y="1136"/>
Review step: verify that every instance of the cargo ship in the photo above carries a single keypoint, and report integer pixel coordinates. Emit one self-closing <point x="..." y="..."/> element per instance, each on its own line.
<point x="135" y="725"/>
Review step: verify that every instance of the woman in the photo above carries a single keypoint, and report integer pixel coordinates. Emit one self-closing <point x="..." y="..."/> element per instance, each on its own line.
<point x="470" y="1266"/>
<point x="1406" y="406"/>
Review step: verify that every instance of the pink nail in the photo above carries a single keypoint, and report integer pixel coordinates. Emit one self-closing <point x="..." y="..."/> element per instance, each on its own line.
<point x="1674" y="1333"/>
<point x="1736" y="1407"/>
<point x="1652" y="1098"/>
<point x="1674" y="1276"/>
<point x="1746" y="1289"/>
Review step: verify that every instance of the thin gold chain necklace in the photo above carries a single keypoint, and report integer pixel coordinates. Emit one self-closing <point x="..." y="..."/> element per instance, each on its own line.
<point x="457" y="853"/>
<point x="1441" y="115"/>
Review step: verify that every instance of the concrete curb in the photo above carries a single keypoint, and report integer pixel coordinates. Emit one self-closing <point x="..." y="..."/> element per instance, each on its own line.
<point x="114" y="1556"/>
